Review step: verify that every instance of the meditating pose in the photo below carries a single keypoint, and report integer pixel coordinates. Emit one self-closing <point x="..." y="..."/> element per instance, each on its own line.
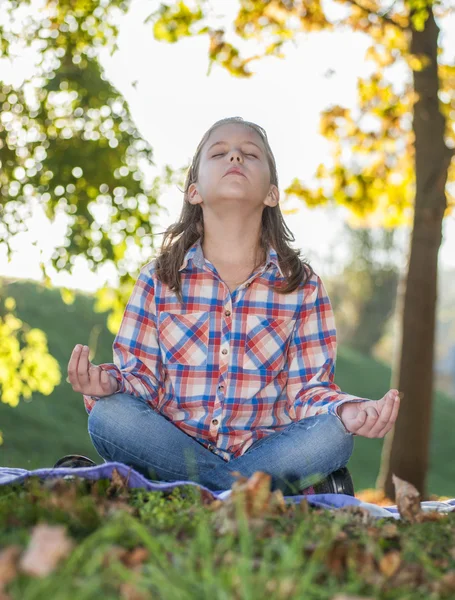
<point x="225" y="358"/>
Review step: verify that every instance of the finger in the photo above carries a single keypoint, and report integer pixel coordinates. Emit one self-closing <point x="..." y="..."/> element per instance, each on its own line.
<point x="94" y="380"/>
<point x="107" y="385"/>
<point x="393" y="416"/>
<point x="384" y="414"/>
<point x="83" y="369"/>
<point x="372" y="416"/>
<point x="73" y="366"/>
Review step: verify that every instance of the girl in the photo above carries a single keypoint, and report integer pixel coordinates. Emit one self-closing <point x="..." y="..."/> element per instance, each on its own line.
<point x="225" y="356"/>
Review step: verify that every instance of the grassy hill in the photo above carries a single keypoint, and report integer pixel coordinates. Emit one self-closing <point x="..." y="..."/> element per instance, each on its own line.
<point x="38" y="432"/>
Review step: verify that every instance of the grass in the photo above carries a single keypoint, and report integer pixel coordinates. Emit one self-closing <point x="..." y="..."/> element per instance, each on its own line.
<point x="38" y="432"/>
<point x="133" y="544"/>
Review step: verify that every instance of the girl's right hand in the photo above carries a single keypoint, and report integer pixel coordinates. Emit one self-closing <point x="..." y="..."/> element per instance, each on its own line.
<point x="89" y="379"/>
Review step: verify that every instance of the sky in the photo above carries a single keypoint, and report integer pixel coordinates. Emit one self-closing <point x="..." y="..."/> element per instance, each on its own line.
<point x="174" y="102"/>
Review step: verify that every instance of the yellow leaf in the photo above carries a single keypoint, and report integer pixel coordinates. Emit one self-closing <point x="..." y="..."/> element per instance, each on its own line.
<point x="68" y="296"/>
<point x="10" y="304"/>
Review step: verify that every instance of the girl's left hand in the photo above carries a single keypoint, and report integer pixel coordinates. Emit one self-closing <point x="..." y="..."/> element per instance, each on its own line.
<point x="372" y="418"/>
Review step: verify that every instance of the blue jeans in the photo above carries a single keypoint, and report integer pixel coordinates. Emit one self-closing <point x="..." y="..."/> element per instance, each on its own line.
<point x="126" y="429"/>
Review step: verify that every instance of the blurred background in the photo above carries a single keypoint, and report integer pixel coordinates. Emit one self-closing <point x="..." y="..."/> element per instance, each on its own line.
<point x="103" y="104"/>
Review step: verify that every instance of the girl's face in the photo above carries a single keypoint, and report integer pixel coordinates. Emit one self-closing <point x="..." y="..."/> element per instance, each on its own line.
<point x="233" y="145"/>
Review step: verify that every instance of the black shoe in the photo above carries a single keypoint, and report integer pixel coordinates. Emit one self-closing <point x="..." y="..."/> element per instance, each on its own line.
<point x="338" y="482"/>
<point x="73" y="461"/>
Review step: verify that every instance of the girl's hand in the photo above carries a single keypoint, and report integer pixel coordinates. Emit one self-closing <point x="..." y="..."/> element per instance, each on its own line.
<point x="372" y="418"/>
<point x="87" y="378"/>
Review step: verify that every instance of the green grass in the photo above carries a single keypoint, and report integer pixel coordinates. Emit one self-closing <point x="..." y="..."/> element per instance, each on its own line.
<point x="181" y="546"/>
<point x="38" y="432"/>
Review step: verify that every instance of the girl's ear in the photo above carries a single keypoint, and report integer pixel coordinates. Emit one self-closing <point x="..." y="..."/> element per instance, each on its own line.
<point x="193" y="195"/>
<point x="273" y="197"/>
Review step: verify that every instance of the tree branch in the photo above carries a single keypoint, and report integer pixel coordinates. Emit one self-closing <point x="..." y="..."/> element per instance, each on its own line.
<point x="384" y="16"/>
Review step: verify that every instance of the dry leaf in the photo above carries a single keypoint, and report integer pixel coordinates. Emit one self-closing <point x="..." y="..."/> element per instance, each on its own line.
<point x="257" y="493"/>
<point x="254" y="496"/>
<point x="389" y="563"/>
<point x="118" y="485"/>
<point x="408" y="500"/>
<point x="207" y="497"/>
<point x="8" y="564"/>
<point x="359" y="514"/>
<point x="135" y="557"/>
<point x="48" y="545"/>
<point x="432" y="515"/>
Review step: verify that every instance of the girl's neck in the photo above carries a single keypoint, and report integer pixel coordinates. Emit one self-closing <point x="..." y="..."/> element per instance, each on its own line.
<point x="233" y="244"/>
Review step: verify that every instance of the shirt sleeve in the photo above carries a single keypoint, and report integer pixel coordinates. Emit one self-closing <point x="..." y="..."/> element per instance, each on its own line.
<point x="137" y="362"/>
<point x="311" y="358"/>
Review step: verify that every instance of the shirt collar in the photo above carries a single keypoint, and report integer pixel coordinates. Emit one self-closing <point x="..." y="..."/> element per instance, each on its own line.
<point x="195" y="257"/>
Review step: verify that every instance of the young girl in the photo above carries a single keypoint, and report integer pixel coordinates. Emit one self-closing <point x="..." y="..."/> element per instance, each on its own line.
<point x="225" y="356"/>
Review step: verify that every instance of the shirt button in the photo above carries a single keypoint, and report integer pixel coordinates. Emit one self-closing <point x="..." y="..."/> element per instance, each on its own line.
<point x="227" y="313"/>
<point x="221" y="387"/>
<point x="215" y="422"/>
<point x="224" y="351"/>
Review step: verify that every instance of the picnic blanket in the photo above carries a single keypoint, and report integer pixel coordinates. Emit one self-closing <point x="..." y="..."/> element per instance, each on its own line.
<point x="136" y="480"/>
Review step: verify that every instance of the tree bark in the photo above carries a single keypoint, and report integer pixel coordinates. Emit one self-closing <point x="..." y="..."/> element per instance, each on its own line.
<point x="406" y="447"/>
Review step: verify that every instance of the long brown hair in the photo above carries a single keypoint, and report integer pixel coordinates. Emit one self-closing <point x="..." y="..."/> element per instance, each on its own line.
<point x="180" y="236"/>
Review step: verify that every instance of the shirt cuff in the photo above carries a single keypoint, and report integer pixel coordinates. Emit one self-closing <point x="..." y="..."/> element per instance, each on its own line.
<point x="115" y="372"/>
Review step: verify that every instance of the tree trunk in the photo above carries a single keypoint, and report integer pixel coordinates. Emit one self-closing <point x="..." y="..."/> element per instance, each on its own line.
<point x="406" y="447"/>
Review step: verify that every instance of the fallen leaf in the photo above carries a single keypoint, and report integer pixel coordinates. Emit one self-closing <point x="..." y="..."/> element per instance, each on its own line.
<point x="432" y="515"/>
<point x="118" y="485"/>
<point x="135" y="557"/>
<point x="389" y="563"/>
<point x="359" y="514"/>
<point x="8" y="564"/>
<point x="408" y="499"/>
<point x="48" y="545"/>
<point x="257" y="493"/>
<point x="255" y="497"/>
<point x="207" y="498"/>
<point x="277" y="503"/>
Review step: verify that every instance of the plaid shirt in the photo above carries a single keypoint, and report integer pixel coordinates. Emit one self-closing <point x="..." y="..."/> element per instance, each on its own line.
<point x="228" y="369"/>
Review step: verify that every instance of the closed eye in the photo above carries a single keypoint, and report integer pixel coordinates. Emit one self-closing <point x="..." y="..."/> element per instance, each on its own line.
<point x="215" y="155"/>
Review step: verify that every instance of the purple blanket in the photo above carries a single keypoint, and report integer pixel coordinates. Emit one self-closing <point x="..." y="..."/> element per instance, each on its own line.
<point x="136" y="480"/>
